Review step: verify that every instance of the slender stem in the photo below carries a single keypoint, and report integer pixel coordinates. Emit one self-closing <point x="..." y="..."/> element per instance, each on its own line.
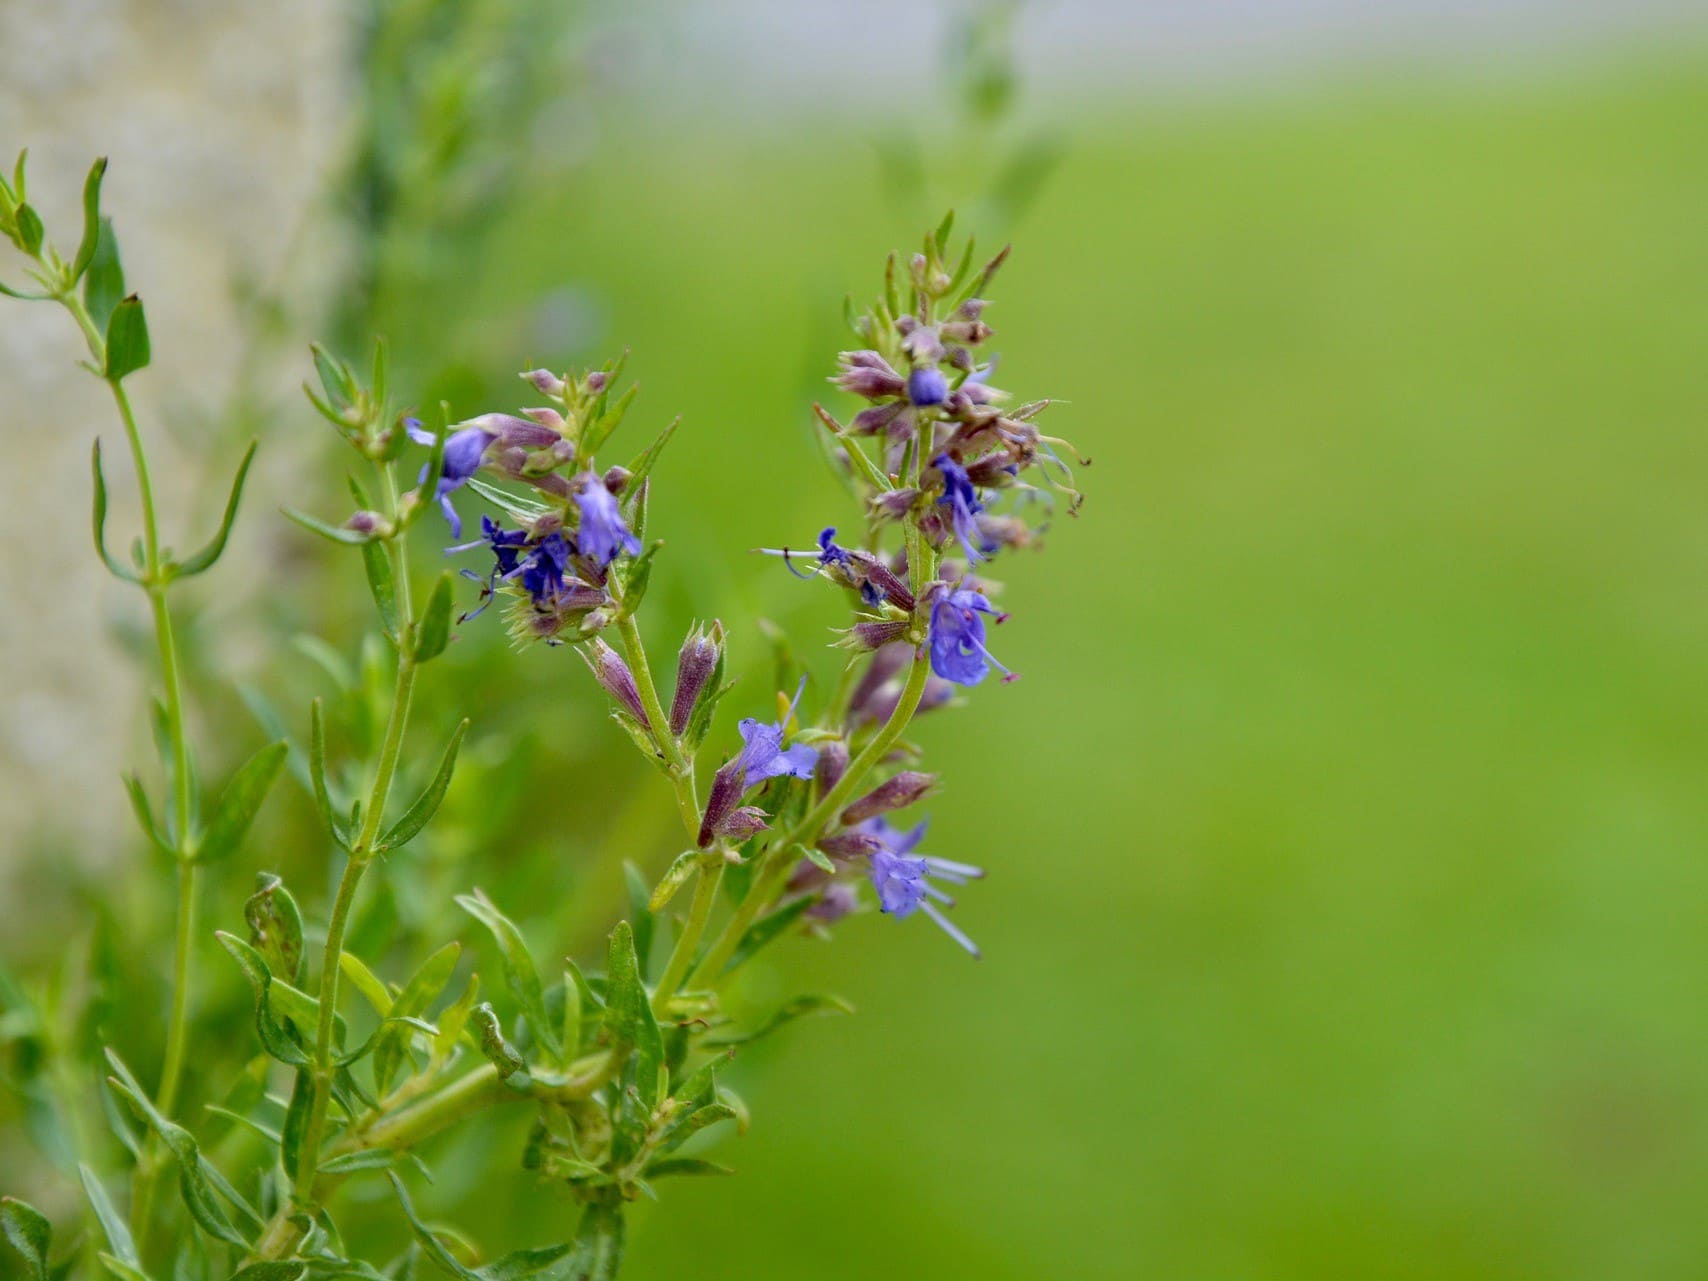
<point x="681" y="768"/>
<point x="706" y="882"/>
<point x="177" y="1029"/>
<point x="361" y="852"/>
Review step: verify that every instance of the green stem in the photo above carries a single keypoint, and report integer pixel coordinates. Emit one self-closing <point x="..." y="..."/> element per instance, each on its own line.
<point x="777" y="864"/>
<point x="361" y="852"/>
<point x="681" y="768"/>
<point x="706" y="882"/>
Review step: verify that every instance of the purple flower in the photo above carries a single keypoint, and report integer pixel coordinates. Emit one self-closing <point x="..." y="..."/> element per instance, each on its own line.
<point x="542" y="571"/>
<point x="463" y="453"/>
<point x="763" y="755"/>
<point x="956" y="637"/>
<point x="927" y="386"/>
<point x="602" y="534"/>
<point x="903" y="878"/>
<point x="506" y="546"/>
<point x="961" y="497"/>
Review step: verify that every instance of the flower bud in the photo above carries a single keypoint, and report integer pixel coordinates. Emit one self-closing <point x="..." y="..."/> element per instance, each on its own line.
<point x="727" y="786"/>
<point x="701" y="654"/>
<point x="838" y="900"/>
<point x="898" y="793"/>
<point x="850" y="845"/>
<point x="743" y="822"/>
<point x="614" y="677"/>
<point x="370" y="523"/>
<point x="832" y="764"/>
<point x="873" y="635"/>
<point x="927" y="386"/>
<point x="617" y="479"/>
<point x="596" y="382"/>
<point x="545" y="382"/>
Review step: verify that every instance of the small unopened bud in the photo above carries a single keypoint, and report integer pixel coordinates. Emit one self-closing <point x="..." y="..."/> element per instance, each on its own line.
<point x="596" y="382"/>
<point x="545" y="382"/>
<point x="832" y="764"/>
<point x="696" y="663"/>
<point x="898" y="793"/>
<point x="614" y="677"/>
<point x="743" y="822"/>
<point x="617" y="479"/>
<point x="372" y="524"/>
<point x="850" y="845"/>
<point x="727" y="786"/>
<point x="864" y="636"/>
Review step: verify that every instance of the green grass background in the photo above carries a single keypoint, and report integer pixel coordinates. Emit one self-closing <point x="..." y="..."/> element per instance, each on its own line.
<point x="1347" y="833"/>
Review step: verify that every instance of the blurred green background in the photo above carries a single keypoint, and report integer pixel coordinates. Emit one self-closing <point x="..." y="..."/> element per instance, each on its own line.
<point x="1347" y="835"/>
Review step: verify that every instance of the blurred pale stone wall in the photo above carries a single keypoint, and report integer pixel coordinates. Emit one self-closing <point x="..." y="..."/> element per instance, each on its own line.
<point x="221" y="121"/>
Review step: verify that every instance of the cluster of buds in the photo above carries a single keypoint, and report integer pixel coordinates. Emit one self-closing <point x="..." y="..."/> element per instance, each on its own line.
<point x="553" y="563"/>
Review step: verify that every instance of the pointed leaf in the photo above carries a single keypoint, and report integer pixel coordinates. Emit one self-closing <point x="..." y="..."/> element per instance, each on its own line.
<point x="127" y="339"/>
<point x="434" y="629"/>
<point x="366" y="982"/>
<point x="275" y="926"/>
<point x="91" y="219"/>
<point x="519" y="972"/>
<point x="427" y="804"/>
<point x="314" y="525"/>
<point x="104" y="281"/>
<point x="114" y="566"/>
<point x="382" y="584"/>
<point x="674" y="878"/>
<point x="317" y="776"/>
<point x="454" y="1018"/>
<point x="647" y="459"/>
<point x="112" y="1222"/>
<point x="145" y="814"/>
<point x="215" y="548"/>
<point x="420" y="992"/>
<point x="238" y="804"/>
<point x="684" y="1165"/>
<point x="598" y="1244"/>
<point x="29" y="1232"/>
<point x="628" y="1012"/>
<point x="641" y="915"/>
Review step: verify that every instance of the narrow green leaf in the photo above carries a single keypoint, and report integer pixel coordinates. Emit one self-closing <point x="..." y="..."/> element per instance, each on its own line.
<point x="519" y="972"/>
<point x="277" y="1038"/>
<point x="104" y="281"/>
<point x="317" y="776"/>
<point x="382" y="584"/>
<point x="647" y="459"/>
<point x="517" y="1266"/>
<point x="247" y="1122"/>
<point x="112" y="1222"/>
<point x="598" y="1244"/>
<point x="513" y="505"/>
<point x="215" y="548"/>
<point x="91" y="224"/>
<point x="238" y="804"/>
<point x="607" y="423"/>
<point x="367" y="983"/>
<point x="686" y="1127"/>
<point x="275" y="926"/>
<point x="426" y="805"/>
<point x="295" y="1128"/>
<point x="349" y="537"/>
<point x="334" y="374"/>
<point x="675" y="877"/>
<point x="145" y="814"/>
<point x="641" y="915"/>
<point x="571" y="1014"/>
<point x="434" y="629"/>
<point x="628" y="1012"/>
<point x="196" y="1178"/>
<point x="941" y="238"/>
<point x="119" y="1268"/>
<point x="421" y="991"/>
<point x="116" y="567"/>
<point x="127" y="339"/>
<point x="365" y="1159"/>
<point x="454" y="1018"/>
<point x="29" y="1232"/>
